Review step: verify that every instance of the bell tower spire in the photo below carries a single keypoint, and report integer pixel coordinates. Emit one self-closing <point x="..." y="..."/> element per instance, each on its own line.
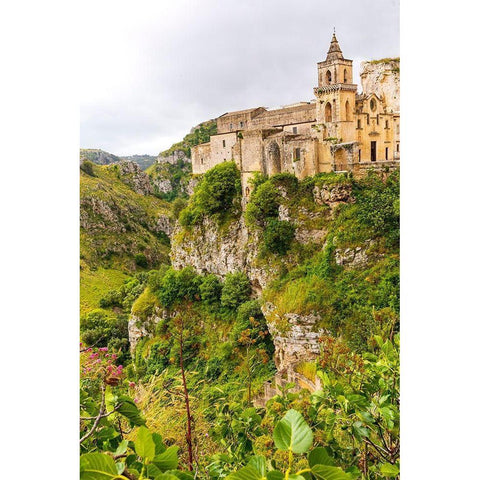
<point x="334" y="52"/>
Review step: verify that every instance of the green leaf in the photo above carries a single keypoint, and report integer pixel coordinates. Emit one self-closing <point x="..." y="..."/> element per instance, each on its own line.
<point x="181" y="474"/>
<point x="389" y="470"/>
<point x="153" y="470"/>
<point x="159" y="445"/>
<point x="122" y="447"/>
<point x="126" y="406"/>
<point x="120" y="467"/>
<point x="245" y="473"/>
<point x="296" y="477"/>
<point x="326" y="472"/>
<point x="274" y="475"/>
<point x="144" y="444"/>
<point x="359" y="431"/>
<point x="293" y="433"/>
<point x="319" y="456"/>
<point x="168" y="460"/>
<point x="259" y="463"/>
<point x="97" y="466"/>
<point x="166" y="476"/>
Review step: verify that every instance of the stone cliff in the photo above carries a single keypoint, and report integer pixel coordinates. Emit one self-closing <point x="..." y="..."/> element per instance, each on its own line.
<point x="382" y="77"/>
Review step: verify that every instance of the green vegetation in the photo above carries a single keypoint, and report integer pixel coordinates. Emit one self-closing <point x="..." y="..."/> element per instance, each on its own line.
<point x="185" y="402"/>
<point x="201" y="134"/>
<point x="175" y="174"/>
<point x="217" y="195"/>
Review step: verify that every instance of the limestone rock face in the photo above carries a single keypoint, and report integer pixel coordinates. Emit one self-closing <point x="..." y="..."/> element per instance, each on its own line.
<point x="354" y="257"/>
<point x="209" y="249"/>
<point x="138" y="328"/>
<point x="132" y="175"/>
<point x="383" y="79"/>
<point x="173" y="158"/>
<point x="192" y="183"/>
<point x="165" y="224"/>
<point x="164" y="185"/>
<point x="296" y="341"/>
<point x="332" y="195"/>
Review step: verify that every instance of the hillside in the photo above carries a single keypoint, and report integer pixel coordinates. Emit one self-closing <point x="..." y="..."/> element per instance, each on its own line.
<point x="122" y="226"/>
<point x="100" y="157"/>
<point x="288" y="304"/>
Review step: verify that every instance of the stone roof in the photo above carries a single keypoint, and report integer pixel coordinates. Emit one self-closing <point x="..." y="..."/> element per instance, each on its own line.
<point x="334" y="52"/>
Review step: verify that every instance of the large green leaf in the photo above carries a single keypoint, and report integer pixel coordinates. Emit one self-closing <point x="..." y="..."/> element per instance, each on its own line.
<point x="168" y="460"/>
<point x="159" y="445"/>
<point x="144" y="444"/>
<point x="389" y="470"/>
<point x="122" y="447"/>
<point x="126" y="406"/>
<point x="260" y="464"/>
<point x="166" y="476"/>
<point x="181" y="474"/>
<point x="246" y="473"/>
<point x="97" y="466"/>
<point x="319" y="456"/>
<point x="293" y="433"/>
<point x="274" y="475"/>
<point x="327" y="472"/>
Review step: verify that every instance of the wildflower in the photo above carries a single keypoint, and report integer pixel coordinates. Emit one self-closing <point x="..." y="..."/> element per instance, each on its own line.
<point x="131" y="384"/>
<point x="103" y="349"/>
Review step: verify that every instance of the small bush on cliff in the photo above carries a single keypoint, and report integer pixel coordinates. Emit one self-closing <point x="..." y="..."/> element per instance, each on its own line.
<point x="263" y="204"/>
<point x="210" y="289"/>
<point x="141" y="260"/>
<point x="236" y="290"/>
<point x="278" y="236"/>
<point x="214" y="195"/>
<point x="87" y="167"/>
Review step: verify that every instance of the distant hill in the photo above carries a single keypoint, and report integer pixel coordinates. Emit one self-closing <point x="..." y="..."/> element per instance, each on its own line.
<point x="100" y="157"/>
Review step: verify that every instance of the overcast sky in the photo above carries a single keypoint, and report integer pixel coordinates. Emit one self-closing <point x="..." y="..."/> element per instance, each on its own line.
<point x="150" y="70"/>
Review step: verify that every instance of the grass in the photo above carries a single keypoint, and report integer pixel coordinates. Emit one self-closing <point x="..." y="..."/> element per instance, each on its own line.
<point x="94" y="284"/>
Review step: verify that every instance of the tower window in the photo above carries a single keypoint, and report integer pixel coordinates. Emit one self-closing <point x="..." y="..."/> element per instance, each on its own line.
<point x="294" y="129"/>
<point x="345" y="76"/>
<point x="359" y="123"/>
<point x="373" y="105"/>
<point x="329" y="77"/>
<point x="347" y="111"/>
<point x="386" y="123"/>
<point x="328" y="112"/>
<point x="223" y="142"/>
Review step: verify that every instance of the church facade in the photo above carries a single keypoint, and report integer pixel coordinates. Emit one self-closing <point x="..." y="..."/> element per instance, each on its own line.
<point x="340" y="130"/>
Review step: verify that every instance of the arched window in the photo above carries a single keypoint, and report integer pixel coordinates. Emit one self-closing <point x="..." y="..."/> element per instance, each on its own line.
<point x="345" y="76"/>
<point x="334" y="110"/>
<point x="373" y="104"/>
<point x="347" y="111"/>
<point x="328" y="112"/>
<point x="329" y="77"/>
<point x="247" y="191"/>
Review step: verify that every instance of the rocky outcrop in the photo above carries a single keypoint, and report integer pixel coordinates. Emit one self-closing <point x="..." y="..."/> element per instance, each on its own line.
<point x="139" y="328"/>
<point x="354" y="257"/>
<point x="162" y="185"/>
<point x="165" y="224"/>
<point x="210" y="249"/>
<point x="174" y="157"/>
<point x="295" y="337"/>
<point x="333" y="195"/>
<point x="133" y="176"/>
<point x="382" y="77"/>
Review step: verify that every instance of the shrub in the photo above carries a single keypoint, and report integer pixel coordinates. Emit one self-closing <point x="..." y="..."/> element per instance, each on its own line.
<point x="141" y="260"/>
<point x="87" y="167"/>
<point x="236" y="290"/>
<point x="210" y="289"/>
<point x="278" y="236"/>
<point x="177" y="206"/>
<point x="177" y="286"/>
<point x="263" y="204"/>
<point x="215" y="194"/>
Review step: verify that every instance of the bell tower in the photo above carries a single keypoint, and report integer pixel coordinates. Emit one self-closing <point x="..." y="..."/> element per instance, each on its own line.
<point x="335" y="95"/>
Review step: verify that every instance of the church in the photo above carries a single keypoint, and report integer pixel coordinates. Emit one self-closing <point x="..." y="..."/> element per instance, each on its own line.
<point x="340" y="130"/>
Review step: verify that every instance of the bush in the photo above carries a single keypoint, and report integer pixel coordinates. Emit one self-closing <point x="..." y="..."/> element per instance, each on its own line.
<point x="236" y="290"/>
<point x="177" y="206"/>
<point x="87" y="167"/>
<point x="177" y="286"/>
<point x="263" y="204"/>
<point x="210" y="289"/>
<point x="278" y="236"/>
<point x="214" y="195"/>
<point x="141" y="260"/>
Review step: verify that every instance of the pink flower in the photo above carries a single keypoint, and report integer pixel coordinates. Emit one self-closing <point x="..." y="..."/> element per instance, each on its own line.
<point x="131" y="384"/>
<point x="103" y="349"/>
<point x="135" y="400"/>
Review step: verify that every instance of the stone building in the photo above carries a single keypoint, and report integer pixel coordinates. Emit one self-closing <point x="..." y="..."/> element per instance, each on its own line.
<point x="340" y="130"/>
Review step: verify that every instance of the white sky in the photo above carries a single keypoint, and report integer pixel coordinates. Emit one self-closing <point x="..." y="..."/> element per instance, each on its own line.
<point x="150" y="70"/>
